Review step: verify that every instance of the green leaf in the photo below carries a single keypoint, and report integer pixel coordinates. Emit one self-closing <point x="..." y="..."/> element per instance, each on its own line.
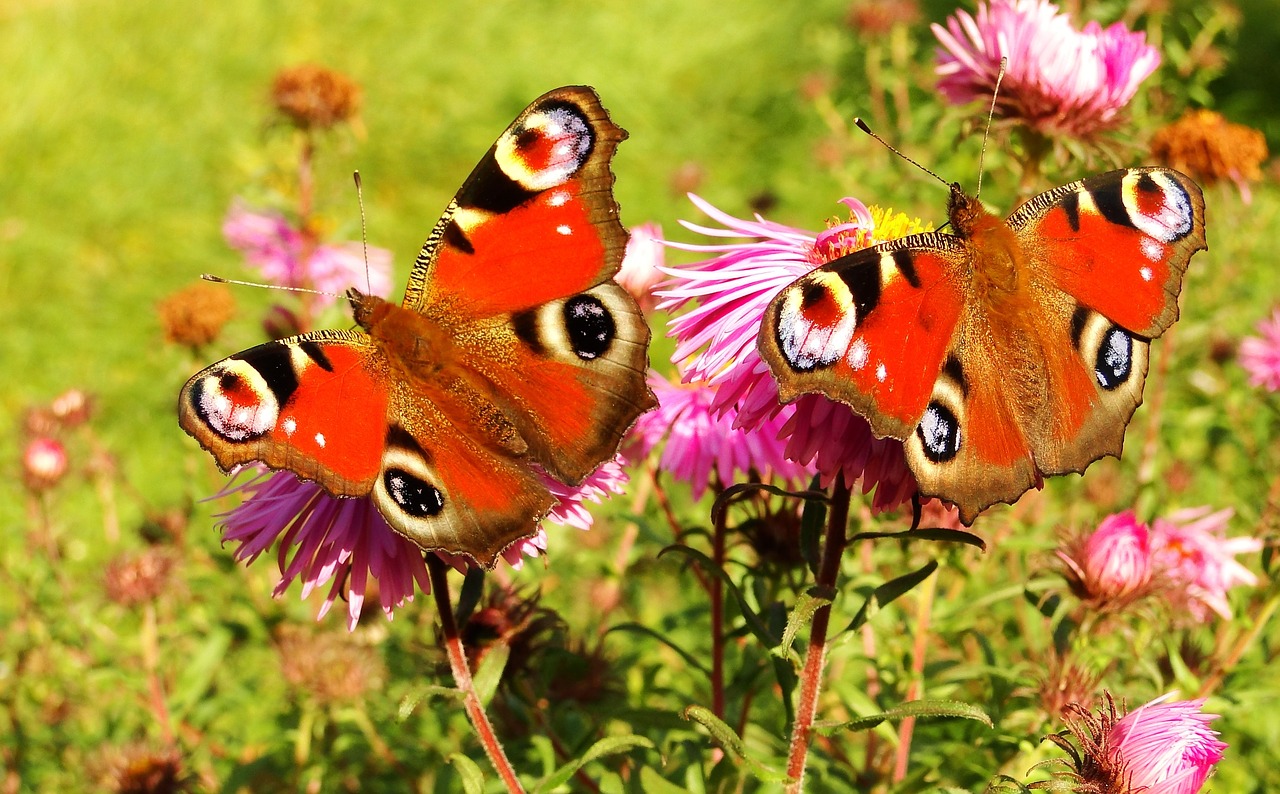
<point x="489" y="673"/>
<point x="653" y="783"/>
<point x="469" y="595"/>
<point x="642" y="629"/>
<point x="812" y="520"/>
<point x="801" y="616"/>
<point x="198" y="673"/>
<point x="612" y="745"/>
<point x="470" y="772"/>
<point x="889" y="592"/>
<point x="920" y="709"/>
<point x="754" y="623"/>
<point x="410" y="702"/>
<point x="933" y="534"/>
<point x="732" y="744"/>
<point x="733" y="491"/>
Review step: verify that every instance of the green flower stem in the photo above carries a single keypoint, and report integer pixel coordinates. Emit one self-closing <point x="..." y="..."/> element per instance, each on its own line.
<point x="816" y="656"/>
<point x="717" y="618"/>
<point x="462" y="677"/>
<point x="924" y="610"/>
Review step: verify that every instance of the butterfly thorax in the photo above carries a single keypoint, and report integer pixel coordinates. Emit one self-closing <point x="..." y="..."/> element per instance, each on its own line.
<point x="409" y="340"/>
<point x="998" y="258"/>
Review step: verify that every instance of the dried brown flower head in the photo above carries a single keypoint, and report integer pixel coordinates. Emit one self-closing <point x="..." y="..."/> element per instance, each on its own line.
<point x="331" y="667"/>
<point x="314" y="97"/>
<point x="194" y="316"/>
<point x="510" y="618"/>
<point x="1065" y="683"/>
<point x="875" y="18"/>
<point x="145" y="770"/>
<point x="1093" y="767"/>
<point x="1210" y="149"/>
<point x="137" y="577"/>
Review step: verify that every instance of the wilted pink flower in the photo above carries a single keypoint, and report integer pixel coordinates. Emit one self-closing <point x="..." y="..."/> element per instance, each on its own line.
<point x="341" y="543"/>
<point x="1190" y="551"/>
<point x="279" y="251"/>
<point x="1113" y="564"/>
<point x="44" y="463"/>
<point x="1166" y="748"/>
<point x="716" y="340"/>
<point x="1059" y="81"/>
<point x="642" y="263"/>
<point x="1261" y="355"/>
<point x="698" y="441"/>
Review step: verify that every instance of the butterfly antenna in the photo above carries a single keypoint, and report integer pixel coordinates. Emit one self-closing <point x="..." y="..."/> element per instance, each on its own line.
<point x="991" y="114"/>
<point x="260" y="285"/>
<point x="364" y="233"/>
<point x="862" y="125"/>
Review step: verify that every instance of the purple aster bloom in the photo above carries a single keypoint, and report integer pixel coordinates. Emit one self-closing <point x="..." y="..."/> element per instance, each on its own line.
<point x="1166" y="748"/>
<point x="282" y="255"/>
<point x="700" y="440"/>
<point x="1260" y="355"/>
<point x="726" y="297"/>
<point x="342" y="543"/>
<point x="1191" y="552"/>
<point x="1059" y="81"/>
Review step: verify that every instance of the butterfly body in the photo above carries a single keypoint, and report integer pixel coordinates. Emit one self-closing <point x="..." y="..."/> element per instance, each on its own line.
<point x="1007" y="351"/>
<point x="514" y="357"/>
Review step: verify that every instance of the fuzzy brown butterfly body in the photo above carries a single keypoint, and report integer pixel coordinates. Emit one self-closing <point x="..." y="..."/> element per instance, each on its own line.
<point x="513" y="356"/>
<point x="1007" y="351"/>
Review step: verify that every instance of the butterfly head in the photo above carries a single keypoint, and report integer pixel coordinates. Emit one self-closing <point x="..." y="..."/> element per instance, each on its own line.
<point x="966" y="213"/>
<point x="367" y="310"/>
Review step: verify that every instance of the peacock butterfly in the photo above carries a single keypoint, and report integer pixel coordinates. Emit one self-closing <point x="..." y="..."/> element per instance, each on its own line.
<point x="513" y="352"/>
<point x="1006" y="351"/>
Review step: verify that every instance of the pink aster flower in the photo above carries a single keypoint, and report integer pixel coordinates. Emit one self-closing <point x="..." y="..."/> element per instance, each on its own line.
<point x="44" y="463"/>
<point x="1059" y="80"/>
<point x="1261" y="355"/>
<point x="342" y="543"/>
<point x="641" y="265"/>
<point x="1166" y="747"/>
<point x="1111" y="566"/>
<point x="726" y="297"/>
<point x="1191" y="552"/>
<point x="282" y="255"/>
<point x="698" y="441"/>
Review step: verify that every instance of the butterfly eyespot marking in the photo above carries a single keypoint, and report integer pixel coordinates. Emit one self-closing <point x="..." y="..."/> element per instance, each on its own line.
<point x="416" y="497"/>
<point x="1114" y="362"/>
<point x="547" y="147"/>
<point x="816" y="322"/>
<point x="939" y="433"/>
<point x="589" y="325"/>
<point x="235" y="401"/>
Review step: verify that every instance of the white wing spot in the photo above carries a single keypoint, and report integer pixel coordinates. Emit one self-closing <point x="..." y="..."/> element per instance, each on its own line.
<point x="564" y="229"/>
<point x="1146" y="273"/>
<point x="320" y="440"/>
<point x="881" y="372"/>
<point x="289" y="425"/>
<point x="1152" y="249"/>
<point x="859" y="352"/>
<point x="558" y="199"/>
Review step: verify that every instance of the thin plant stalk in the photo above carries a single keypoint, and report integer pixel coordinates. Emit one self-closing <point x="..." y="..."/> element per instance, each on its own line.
<point x="462" y="677"/>
<point x="816" y="655"/>
<point x="717" y="617"/>
<point x="924" y="610"/>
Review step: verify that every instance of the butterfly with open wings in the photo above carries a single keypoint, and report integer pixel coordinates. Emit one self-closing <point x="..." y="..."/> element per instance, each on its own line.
<point x="1006" y="351"/>
<point x="513" y="353"/>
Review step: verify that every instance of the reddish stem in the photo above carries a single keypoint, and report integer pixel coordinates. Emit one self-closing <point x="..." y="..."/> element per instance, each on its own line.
<point x="816" y="658"/>
<point x="462" y="676"/>
<point x="717" y="617"/>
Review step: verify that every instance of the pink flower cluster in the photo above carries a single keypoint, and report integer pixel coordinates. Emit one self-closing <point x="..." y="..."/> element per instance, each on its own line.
<point x="1185" y="555"/>
<point x="723" y="300"/>
<point x="342" y="543"/>
<point x="1260" y="355"/>
<point x="1059" y="80"/>
<point x="280" y="253"/>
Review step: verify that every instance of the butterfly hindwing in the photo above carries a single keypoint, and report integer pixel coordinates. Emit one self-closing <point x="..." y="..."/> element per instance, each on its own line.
<point x="289" y="405"/>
